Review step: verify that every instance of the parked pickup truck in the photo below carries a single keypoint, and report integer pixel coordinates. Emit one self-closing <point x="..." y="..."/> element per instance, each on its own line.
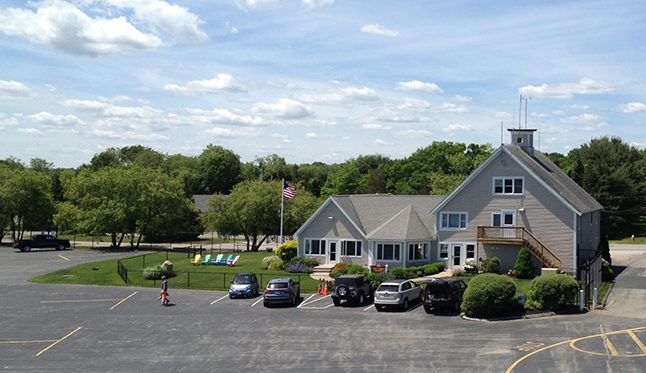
<point x="42" y="240"/>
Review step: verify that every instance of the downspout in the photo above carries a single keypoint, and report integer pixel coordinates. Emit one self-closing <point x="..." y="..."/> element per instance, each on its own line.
<point x="574" y="245"/>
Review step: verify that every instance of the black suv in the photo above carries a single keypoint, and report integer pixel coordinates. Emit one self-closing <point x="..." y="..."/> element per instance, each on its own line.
<point x="353" y="289"/>
<point x="443" y="294"/>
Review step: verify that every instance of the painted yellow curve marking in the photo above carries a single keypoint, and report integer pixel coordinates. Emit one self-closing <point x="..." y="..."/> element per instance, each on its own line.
<point x="123" y="300"/>
<point x="58" y="341"/>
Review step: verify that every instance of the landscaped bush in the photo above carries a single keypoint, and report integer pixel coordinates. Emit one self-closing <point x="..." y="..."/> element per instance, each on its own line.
<point x="490" y="295"/>
<point x="400" y="272"/>
<point x="378" y="277"/>
<point x="607" y="274"/>
<point x="440" y="266"/>
<point x="471" y="267"/>
<point x="307" y="261"/>
<point x="266" y="261"/>
<point x="276" y="266"/>
<point x="552" y="292"/>
<point x="347" y="269"/>
<point x="298" y="267"/>
<point x="491" y="265"/>
<point x="524" y="267"/>
<point x="287" y="251"/>
<point x="156" y="272"/>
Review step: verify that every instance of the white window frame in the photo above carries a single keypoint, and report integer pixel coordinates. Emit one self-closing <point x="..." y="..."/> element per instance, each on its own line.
<point x="424" y="246"/>
<point x="439" y="251"/>
<point x="460" y="213"/>
<point x="513" y="185"/>
<point x="379" y="251"/>
<point x="358" y="243"/>
<point x="466" y="251"/>
<point x="322" y="244"/>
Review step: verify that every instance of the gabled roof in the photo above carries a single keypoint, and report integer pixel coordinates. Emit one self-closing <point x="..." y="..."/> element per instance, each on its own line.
<point x="545" y="172"/>
<point x="386" y="216"/>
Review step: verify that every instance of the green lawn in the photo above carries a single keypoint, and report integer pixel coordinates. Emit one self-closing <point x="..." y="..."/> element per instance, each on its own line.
<point x="210" y="277"/>
<point x="628" y="240"/>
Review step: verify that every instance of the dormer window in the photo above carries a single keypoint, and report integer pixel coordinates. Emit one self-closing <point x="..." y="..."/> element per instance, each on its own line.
<point x="519" y="140"/>
<point x="508" y="185"/>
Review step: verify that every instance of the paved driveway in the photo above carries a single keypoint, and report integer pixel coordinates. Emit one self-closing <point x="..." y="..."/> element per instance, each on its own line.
<point x="123" y="329"/>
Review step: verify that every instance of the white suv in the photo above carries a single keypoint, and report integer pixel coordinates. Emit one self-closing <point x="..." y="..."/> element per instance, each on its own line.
<point x="400" y="293"/>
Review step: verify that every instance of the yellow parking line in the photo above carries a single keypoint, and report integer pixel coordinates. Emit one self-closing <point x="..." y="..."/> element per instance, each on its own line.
<point x="58" y="341"/>
<point x="33" y="341"/>
<point x="611" y="347"/>
<point x="77" y="300"/>
<point x="123" y="300"/>
<point x="62" y="257"/>
<point x="637" y="341"/>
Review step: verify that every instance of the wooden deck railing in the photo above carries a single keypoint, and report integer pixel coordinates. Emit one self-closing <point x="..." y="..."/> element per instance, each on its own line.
<point x="519" y="235"/>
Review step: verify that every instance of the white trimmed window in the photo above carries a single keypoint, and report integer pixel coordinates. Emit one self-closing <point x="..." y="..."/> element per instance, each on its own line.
<point x="451" y="221"/>
<point x="417" y="251"/>
<point x="314" y="247"/>
<point x="471" y="251"/>
<point x="508" y="185"/>
<point x="351" y="248"/>
<point x="388" y="251"/>
<point x="444" y="251"/>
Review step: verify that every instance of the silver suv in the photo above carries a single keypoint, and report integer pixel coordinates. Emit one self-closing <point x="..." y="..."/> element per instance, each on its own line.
<point x="399" y="293"/>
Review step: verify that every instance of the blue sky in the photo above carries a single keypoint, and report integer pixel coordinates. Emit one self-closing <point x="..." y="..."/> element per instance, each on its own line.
<point x="314" y="80"/>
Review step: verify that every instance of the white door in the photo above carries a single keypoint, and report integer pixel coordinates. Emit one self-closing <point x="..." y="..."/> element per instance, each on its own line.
<point x="456" y="259"/>
<point x="508" y="220"/>
<point x="332" y="254"/>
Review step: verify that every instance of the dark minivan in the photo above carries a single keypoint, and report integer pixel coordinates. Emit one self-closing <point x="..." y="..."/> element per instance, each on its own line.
<point x="444" y="294"/>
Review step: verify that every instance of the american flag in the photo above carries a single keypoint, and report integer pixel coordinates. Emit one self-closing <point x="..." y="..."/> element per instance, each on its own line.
<point x="288" y="192"/>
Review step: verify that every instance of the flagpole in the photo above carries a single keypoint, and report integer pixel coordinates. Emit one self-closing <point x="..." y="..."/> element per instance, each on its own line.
<point x="282" y="208"/>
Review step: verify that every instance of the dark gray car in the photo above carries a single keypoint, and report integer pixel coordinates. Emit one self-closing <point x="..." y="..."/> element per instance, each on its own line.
<point x="282" y="291"/>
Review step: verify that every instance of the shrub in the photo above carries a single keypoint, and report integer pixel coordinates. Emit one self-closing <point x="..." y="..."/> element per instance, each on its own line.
<point x="490" y="295"/>
<point x="266" y="261"/>
<point x="276" y="266"/>
<point x="400" y="272"/>
<point x="440" y="266"/>
<point x="552" y="292"/>
<point x="607" y="274"/>
<point x="307" y="261"/>
<point x="524" y="267"/>
<point x="491" y="265"/>
<point x="156" y="272"/>
<point x="287" y="251"/>
<point x="347" y="269"/>
<point x="378" y="277"/>
<point x="471" y="268"/>
<point x="430" y="269"/>
<point x="298" y="267"/>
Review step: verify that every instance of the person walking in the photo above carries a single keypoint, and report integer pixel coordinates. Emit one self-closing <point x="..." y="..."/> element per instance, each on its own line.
<point x="164" y="291"/>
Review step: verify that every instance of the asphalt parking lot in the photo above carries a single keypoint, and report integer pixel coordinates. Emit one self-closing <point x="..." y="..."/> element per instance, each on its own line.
<point x="123" y="329"/>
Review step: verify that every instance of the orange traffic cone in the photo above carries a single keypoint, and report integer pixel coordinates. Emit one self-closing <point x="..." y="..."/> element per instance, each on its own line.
<point x="320" y="289"/>
<point x="325" y="292"/>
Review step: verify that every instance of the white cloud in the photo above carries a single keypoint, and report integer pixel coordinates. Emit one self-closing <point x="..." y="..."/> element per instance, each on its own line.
<point x="502" y="115"/>
<point x="583" y="118"/>
<point x="360" y="93"/>
<point x="457" y="127"/>
<point x="382" y="142"/>
<point x="228" y="132"/>
<point x="316" y="3"/>
<point x="461" y="98"/>
<point x="632" y="107"/>
<point x="342" y="93"/>
<point x="55" y="120"/>
<point x="281" y="137"/>
<point x="222" y="82"/>
<point x="12" y="89"/>
<point x="31" y="131"/>
<point x="128" y="135"/>
<point x="375" y="126"/>
<point x="416" y="85"/>
<point x="225" y="116"/>
<point x="379" y="30"/>
<point x="65" y="27"/>
<point x="251" y="4"/>
<point x="234" y="30"/>
<point x="285" y="108"/>
<point x="585" y="86"/>
<point x="414" y="104"/>
<point x="311" y="135"/>
<point x="173" y="19"/>
<point x="451" y="108"/>
<point x="107" y="109"/>
<point x="576" y="106"/>
<point x="414" y="133"/>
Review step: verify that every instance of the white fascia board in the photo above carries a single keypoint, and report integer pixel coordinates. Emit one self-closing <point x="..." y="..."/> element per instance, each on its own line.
<point x="574" y="242"/>
<point x="320" y="209"/>
<point x="466" y="181"/>
<point x="543" y="183"/>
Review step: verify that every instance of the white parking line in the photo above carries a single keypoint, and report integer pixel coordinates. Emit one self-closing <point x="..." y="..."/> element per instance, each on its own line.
<point x="369" y="307"/>
<point x="219" y="299"/>
<point x="315" y="300"/>
<point x="305" y="301"/>
<point x="258" y="301"/>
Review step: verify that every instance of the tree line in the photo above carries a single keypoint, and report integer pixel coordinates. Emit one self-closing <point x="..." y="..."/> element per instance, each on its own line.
<point x="137" y="194"/>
